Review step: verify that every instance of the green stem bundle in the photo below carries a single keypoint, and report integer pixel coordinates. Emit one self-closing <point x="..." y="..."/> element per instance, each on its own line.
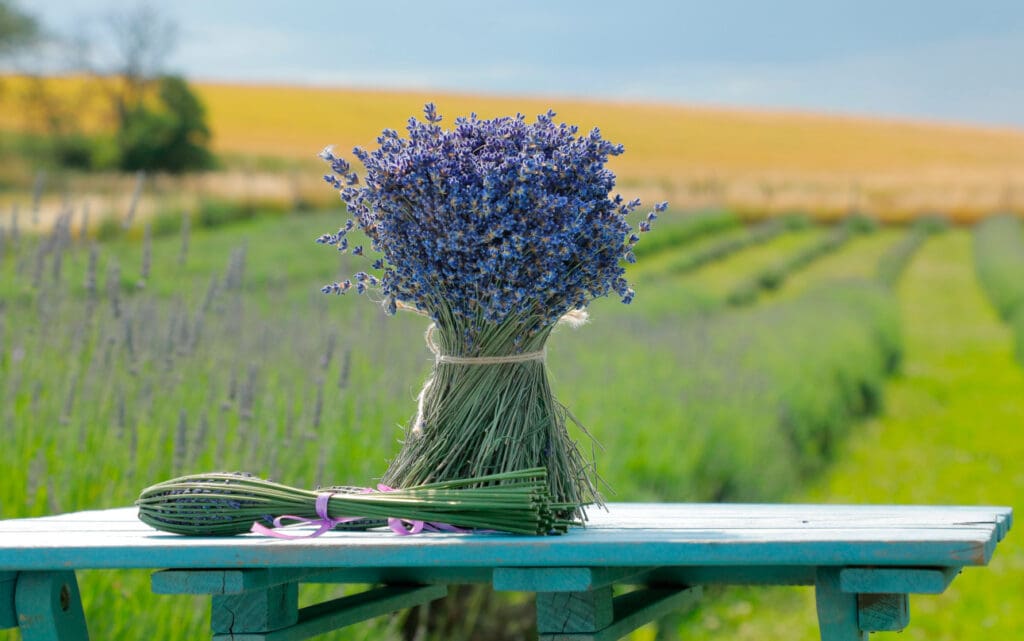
<point x="224" y="504"/>
<point x="482" y="419"/>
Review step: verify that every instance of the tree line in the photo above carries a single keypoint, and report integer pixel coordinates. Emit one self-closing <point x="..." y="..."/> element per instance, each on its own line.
<point x="152" y="119"/>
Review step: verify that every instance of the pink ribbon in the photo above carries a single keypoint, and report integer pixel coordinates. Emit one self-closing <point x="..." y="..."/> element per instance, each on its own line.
<point x="404" y="527"/>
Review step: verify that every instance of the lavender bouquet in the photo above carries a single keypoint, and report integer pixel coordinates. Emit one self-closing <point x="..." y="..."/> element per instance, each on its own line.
<point x="496" y="230"/>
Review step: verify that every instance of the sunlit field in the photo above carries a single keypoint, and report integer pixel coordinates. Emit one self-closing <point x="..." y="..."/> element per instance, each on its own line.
<point x="765" y="161"/>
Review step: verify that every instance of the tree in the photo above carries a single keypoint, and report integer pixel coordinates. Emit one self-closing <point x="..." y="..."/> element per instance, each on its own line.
<point x="172" y="137"/>
<point x="18" y="30"/>
<point x="142" y="39"/>
<point x="170" y="133"/>
<point x="155" y="121"/>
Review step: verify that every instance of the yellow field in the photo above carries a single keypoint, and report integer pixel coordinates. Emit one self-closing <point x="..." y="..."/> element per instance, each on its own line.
<point x="298" y="121"/>
<point x="693" y="156"/>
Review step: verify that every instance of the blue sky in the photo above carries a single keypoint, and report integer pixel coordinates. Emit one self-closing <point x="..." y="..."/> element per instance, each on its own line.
<point x="956" y="61"/>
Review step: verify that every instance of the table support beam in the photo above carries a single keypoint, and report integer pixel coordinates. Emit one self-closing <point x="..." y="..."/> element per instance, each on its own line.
<point x="897" y="580"/>
<point x="338" y="613"/>
<point x="49" y="607"/>
<point x="271" y="608"/>
<point x="596" y="616"/>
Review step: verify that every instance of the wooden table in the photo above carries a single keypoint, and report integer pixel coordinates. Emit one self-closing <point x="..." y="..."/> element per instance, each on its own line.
<point x="862" y="560"/>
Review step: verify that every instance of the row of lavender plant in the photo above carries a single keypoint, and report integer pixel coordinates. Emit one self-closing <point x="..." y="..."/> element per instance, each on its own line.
<point x="894" y="261"/>
<point x="200" y="378"/>
<point x="773" y="276"/>
<point x="999" y="264"/>
<point x="681" y="229"/>
<point x="182" y="354"/>
<point x="735" y="405"/>
<point x="721" y="249"/>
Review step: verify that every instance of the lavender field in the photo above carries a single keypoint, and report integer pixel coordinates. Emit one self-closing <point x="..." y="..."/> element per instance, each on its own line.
<point x="178" y="348"/>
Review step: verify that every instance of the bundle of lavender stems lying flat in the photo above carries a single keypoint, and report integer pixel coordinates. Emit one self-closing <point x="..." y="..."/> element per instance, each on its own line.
<point x="225" y="504"/>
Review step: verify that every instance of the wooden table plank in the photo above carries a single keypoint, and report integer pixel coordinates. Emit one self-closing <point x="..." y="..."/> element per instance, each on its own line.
<point x="633" y="516"/>
<point x="626" y="535"/>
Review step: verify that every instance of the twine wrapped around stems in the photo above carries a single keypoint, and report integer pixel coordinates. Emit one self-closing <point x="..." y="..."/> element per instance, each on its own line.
<point x="417" y="424"/>
<point x="487" y="408"/>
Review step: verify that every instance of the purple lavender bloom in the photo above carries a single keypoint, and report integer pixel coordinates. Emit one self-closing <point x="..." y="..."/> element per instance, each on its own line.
<point x="491" y="219"/>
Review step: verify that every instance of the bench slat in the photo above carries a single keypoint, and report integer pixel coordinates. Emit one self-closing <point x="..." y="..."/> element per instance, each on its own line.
<point x="635" y="535"/>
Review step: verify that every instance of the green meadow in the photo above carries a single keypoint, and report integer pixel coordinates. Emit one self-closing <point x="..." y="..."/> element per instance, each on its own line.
<point x="949" y="434"/>
<point x="173" y="346"/>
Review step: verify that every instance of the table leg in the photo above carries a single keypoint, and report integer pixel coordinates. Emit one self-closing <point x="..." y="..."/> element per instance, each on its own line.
<point x="8" y="615"/>
<point x="838" y="617"/>
<point x="49" y="607"/>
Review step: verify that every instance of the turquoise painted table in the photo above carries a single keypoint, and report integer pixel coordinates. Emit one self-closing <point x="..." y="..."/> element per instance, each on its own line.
<point x="863" y="562"/>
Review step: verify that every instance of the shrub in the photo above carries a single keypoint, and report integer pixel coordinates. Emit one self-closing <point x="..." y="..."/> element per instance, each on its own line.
<point x="214" y="213"/>
<point x="168" y="223"/>
<point x="110" y="227"/>
<point x="1017" y="326"/>
<point x="999" y="262"/>
<point x="894" y="261"/>
<point x="173" y="137"/>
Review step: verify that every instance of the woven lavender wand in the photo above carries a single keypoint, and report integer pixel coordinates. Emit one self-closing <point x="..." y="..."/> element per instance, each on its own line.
<point x="225" y="504"/>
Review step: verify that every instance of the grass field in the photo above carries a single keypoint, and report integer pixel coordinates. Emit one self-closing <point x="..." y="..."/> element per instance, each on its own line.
<point x="691" y="156"/>
<point x="950" y="434"/>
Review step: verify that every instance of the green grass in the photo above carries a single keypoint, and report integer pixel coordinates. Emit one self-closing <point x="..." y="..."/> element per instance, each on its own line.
<point x="950" y="434"/>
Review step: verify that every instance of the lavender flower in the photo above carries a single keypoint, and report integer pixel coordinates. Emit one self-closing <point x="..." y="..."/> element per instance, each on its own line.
<point x="491" y="220"/>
